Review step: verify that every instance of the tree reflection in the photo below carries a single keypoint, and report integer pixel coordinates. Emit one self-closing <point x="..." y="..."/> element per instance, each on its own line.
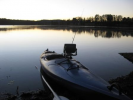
<point x="104" y="32"/>
<point x="108" y="33"/>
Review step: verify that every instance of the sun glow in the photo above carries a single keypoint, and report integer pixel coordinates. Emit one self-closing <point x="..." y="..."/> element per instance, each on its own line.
<point x="62" y="9"/>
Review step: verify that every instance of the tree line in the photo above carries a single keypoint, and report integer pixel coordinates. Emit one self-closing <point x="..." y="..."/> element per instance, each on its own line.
<point x="104" y="20"/>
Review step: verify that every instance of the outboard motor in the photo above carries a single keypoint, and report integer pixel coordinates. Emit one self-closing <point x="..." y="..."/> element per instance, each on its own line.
<point x="70" y="50"/>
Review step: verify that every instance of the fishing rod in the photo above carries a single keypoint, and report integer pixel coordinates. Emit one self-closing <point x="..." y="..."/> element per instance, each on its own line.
<point x="74" y="37"/>
<point x="79" y="23"/>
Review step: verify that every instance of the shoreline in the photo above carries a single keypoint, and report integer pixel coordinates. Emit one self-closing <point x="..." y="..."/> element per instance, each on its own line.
<point x="125" y="83"/>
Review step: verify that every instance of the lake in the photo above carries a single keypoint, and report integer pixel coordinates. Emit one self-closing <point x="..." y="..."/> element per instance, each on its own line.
<point x="98" y="50"/>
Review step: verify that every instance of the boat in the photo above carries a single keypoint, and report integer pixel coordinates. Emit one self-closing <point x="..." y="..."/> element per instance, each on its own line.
<point x="70" y="73"/>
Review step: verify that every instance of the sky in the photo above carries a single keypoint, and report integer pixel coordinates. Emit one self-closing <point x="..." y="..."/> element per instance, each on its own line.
<point x="63" y="9"/>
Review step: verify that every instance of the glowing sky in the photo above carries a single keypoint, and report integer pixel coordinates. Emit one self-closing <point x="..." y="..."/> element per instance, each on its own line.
<point x="63" y="9"/>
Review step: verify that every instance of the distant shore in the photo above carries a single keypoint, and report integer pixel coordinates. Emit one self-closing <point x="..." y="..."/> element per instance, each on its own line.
<point x="74" y="22"/>
<point x="12" y="26"/>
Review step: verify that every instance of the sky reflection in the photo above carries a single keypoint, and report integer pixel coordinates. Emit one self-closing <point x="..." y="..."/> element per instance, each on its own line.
<point x="20" y="51"/>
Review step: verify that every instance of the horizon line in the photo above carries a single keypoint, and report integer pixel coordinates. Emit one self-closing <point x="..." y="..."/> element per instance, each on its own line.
<point x="61" y="18"/>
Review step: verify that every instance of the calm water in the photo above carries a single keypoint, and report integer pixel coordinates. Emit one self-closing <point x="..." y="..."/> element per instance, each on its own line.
<point x="98" y="49"/>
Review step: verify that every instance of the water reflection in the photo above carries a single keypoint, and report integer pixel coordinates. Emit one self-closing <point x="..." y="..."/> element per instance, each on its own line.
<point x="21" y="47"/>
<point x="97" y="31"/>
<point x="16" y="27"/>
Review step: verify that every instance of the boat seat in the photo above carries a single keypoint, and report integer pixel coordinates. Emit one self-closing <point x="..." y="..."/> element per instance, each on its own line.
<point x="70" y="50"/>
<point x="51" y="57"/>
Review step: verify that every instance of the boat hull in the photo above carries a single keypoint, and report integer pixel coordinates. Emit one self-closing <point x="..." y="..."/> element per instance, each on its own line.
<point x="73" y="89"/>
<point x="78" y="80"/>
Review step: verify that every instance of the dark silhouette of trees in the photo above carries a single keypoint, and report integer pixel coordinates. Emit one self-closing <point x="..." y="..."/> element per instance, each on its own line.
<point x="104" y="20"/>
<point x="97" y="18"/>
<point x="109" y="18"/>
